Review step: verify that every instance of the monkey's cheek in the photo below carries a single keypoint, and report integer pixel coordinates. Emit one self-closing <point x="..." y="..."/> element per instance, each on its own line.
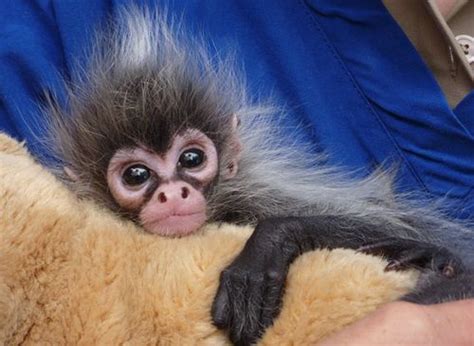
<point x="176" y="225"/>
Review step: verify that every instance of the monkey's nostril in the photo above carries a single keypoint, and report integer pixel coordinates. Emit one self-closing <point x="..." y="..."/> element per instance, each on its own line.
<point x="162" y="197"/>
<point x="184" y="192"/>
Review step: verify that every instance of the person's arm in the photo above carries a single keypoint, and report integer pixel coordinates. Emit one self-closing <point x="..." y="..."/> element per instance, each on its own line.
<point x="403" y="323"/>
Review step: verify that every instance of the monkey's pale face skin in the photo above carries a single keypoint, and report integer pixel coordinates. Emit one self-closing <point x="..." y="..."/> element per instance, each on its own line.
<point x="167" y="189"/>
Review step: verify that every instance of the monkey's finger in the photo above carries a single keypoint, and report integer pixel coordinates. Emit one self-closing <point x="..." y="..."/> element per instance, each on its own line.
<point x="413" y="258"/>
<point x="273" y="297"/>
<point x="445" y="263"/>
<point x="246" y="308"/>
<point x="380" y="248"/>
<point x="220" y="310"/>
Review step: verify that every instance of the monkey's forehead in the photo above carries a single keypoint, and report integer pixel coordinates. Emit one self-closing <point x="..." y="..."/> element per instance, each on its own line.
<point x="183" y="138"/>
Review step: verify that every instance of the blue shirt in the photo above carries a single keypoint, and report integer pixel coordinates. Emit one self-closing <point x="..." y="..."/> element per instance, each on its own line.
<point x="344" y="70"/>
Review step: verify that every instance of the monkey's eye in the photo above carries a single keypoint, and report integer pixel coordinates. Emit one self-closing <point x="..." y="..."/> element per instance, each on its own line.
<point x="191" y="158"/>
<point x="136" y="175"/>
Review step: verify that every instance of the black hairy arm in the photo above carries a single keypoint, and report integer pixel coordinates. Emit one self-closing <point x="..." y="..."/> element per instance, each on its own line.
<point x="251" y="287"/>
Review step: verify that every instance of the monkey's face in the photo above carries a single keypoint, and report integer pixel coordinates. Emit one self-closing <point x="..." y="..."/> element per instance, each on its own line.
<point x="166" y="190"/>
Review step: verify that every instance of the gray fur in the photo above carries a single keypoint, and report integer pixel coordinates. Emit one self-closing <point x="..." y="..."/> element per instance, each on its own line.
<point x="143" y="68"/>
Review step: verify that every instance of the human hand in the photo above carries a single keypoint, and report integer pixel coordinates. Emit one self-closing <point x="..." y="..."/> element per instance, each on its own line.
<point x="402" y="323"/>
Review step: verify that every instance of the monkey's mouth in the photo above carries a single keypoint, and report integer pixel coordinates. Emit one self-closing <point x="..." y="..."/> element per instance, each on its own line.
<point x="176" y="224"/>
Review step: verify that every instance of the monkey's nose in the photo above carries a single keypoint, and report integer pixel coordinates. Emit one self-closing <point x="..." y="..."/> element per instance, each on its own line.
<point x="174" y="194"/>
<point x="162" y="197"/>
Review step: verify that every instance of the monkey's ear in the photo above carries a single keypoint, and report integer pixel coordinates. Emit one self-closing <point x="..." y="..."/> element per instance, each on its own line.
<point x="231" y="169"/>
<point x="235" y="148"/>
<point x="70" y="173"/>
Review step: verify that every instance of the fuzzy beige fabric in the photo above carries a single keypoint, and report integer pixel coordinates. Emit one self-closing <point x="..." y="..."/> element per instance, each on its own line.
<point x="71" y="273"/>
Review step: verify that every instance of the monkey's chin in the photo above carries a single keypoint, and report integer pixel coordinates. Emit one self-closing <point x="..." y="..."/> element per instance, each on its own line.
<point x="178" y="225"/>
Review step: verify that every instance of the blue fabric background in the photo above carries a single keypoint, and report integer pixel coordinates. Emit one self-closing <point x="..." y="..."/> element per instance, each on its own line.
<point x="343" y="69"/>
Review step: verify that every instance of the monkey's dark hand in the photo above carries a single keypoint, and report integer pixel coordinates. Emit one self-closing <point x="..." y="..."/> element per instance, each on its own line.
<point x="407" y="253"/>
<point x="251" y="288"/>
<point x="250" y="293"/>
